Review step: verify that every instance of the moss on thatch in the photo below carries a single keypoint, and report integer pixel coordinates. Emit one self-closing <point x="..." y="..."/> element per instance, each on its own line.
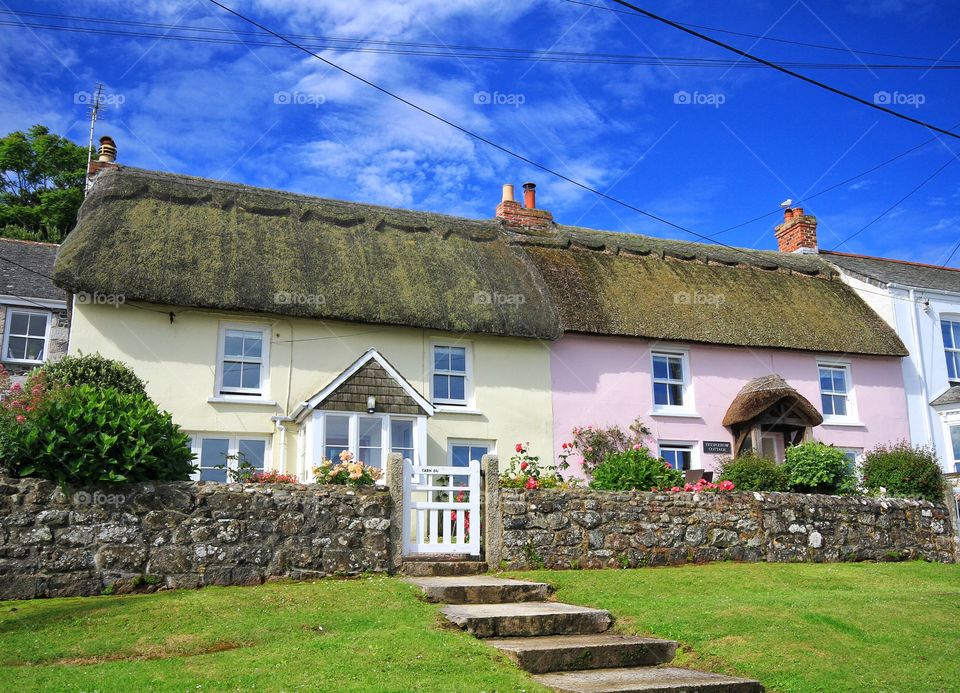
<point x="170" y="239"/>
<point x="758" y="395"/>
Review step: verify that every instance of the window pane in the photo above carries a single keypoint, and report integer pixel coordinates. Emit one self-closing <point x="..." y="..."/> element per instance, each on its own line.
<point x="457" y="387"/>
<point x="660" y="369"/>
<point x="338" y="431"/>
<point x="660" y="394"/>
<point x="231" y="375"/>
<point x="401" y="435"/>
<point x="441" y="387"/>
<point x="253" y="344"/>
<point x="38" y="325"/>
<point x="253" y="452"/>
<point x="947" y="331"/>
<point x="676" y="395"/>
<point x="35" y="349"/>
<point x="251" y="375"/>
<point x="826" y="402"/>
<point x="233" y="343"/>
<point x="213" y="475"/>
<point x="839" y="380"/>
<point x="441" y="358"/>
<point x="676" y="368"/>
<point x="213" y="453"/>
<point x="460" y="455"/>
<point x="371" y="456"/>
<point x="458" y="359"/>
<point x="955" y="439"/>
<point x="369" y="431"/>
<point x="16" y="348"/>
<point x="669" y="456"/>
<point x="825" y="380"/>
<point x="953" y="365"/>
<point x="18" y="323"/>
<point x="839" y="405"/>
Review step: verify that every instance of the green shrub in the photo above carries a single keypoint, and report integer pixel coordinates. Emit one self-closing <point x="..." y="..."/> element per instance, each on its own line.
<point x="96" y="371"/>
<point x="593" y="444"/>
<point x="83" y="435"/>
<point x="634" y="470"/>
<point x="911" y="472"/>
<point x="817" y="468"/>
<point x="752" y="472"/>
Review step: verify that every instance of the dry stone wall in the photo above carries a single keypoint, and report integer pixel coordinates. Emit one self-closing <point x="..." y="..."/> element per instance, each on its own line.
<point x="596" y="529"/>
<point x="147" y="536"/>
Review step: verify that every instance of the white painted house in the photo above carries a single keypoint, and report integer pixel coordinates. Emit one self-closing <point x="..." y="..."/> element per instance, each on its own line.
<point x="922" y="303"/>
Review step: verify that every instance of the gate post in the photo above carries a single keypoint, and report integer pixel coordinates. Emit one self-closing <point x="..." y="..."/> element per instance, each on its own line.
<point x="395" y="484"/>
<point x="493" y="518"/>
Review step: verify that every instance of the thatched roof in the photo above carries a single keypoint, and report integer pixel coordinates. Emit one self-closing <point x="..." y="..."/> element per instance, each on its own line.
<point x="758" y="395"/>
<point x="182" y="241"/>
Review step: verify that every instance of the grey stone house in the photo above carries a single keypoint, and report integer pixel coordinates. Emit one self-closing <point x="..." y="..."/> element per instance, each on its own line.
<point x="33" y="312"/>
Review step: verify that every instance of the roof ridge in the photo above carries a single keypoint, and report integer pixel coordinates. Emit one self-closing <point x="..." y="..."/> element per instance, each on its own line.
<point x="24" y="241"/>
<point x="889" y="259"/>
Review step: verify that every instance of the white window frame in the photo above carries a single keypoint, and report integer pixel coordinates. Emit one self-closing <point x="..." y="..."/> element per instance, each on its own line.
<point x="490" y="445"/>
<point x="948" y="352"/>
<point x="851" y="418"/>
<point x="467" y="403"/>
<point x="233" y="446"/>
<point x="317" y="442"/>
<point x="7" y="322"/>
<point x="686" y="383"/>
<point x="691" y="445"/>
<point x="951" y="419"/>
<point x="243" y="394"/>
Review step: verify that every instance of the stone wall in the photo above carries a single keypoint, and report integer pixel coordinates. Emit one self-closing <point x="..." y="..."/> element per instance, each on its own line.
<point x="594" y="529"/>
<point x="118" y="539"/>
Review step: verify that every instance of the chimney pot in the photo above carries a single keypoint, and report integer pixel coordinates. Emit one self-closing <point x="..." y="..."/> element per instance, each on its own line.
<point x="797" y="233"/>
<point x="530" y="195"/>
<point x="507" y="193"/>
<point x="108" y="150"/>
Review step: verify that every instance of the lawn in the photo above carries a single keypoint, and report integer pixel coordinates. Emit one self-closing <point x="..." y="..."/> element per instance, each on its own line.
<point x="828" y="627"/>
<point x="376" y="637"/>
<point x="891" y="627"/>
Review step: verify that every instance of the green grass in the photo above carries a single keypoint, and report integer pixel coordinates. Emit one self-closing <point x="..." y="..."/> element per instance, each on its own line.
<point x="376" y="637"/>
<point x="892" y="627"/>
<point x="877" y="628"/>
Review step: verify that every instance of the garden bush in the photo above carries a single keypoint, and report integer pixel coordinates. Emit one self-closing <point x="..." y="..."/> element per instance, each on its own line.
<point x="817" y="468"/>
<point x="348" y="472"/>
<point x="635" y="469"/>
<point x="96" y="371"/>
<point x="593" y="444"/>
<point x="752" y="472"/>
<point x="902" y="470"/>
<point x="84" y="435"/>
<point x="525" y="471"/>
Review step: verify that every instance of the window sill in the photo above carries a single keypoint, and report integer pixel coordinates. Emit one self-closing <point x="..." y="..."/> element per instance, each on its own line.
<point x="23" y="362"/>
<point x="850" y="423"/>
<point x="676" y="413"/>
<point x="450" y="409"/>
<point x="220" y="399"/>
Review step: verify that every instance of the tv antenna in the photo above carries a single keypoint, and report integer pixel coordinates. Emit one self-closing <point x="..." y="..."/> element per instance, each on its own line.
<point x="94" y="112"/>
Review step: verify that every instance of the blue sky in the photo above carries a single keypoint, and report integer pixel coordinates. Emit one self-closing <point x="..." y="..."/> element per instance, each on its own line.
<point x="751" y="138"/>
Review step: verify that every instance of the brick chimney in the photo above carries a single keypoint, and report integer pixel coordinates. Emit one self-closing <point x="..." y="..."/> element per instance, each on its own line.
<point x="798" y="232"/>
<point x="528" y="216"/>
<point x="106" y="157"/>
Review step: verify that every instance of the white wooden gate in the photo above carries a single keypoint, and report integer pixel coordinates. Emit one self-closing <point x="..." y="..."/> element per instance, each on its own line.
<point x="441" y="509"/>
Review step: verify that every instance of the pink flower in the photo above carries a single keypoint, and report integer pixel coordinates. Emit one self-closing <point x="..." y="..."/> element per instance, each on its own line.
<point x="564" y="446"/>
<point x="675" y="489"/>
<point x="638" y="446"/>
<point x="21" y="418"/>
<point x="688" y="487"/>
<point x="16" y="387"/>
<point x="727" y="485"/>
<point x="531" y="484"/>
<point x="654" y="489"/>
<point x="519" y="447"/>
<point x="524" y="465"/>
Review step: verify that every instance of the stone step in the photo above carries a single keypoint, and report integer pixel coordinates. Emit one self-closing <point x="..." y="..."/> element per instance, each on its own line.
<point x="604" y="650"/>
<point x="448" y="568"/>
<point x="481" y="589"/>
<point x="527" y="619"/>
<point x="646" y="680"/>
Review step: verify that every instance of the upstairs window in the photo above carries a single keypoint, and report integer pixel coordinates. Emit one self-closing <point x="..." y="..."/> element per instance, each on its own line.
<point x="242" y="367"/>
<point x="951" y="346"/>
<point x="835" y="391"/>
<point x="670" y="378"/>
<point x="450" y="377"/>
<point x="25" y="336"/>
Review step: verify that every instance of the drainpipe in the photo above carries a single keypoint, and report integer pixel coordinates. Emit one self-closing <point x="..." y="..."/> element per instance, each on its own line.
<point x="278" y="421"/>
<point x="915" y="325"/>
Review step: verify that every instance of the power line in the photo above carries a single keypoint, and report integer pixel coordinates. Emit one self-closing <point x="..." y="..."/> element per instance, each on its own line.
<point x="835" y="185"/>
<point x="787" y="71"/>
<point x="429" y="50"/>
<point x="946" y="263"/>
<point x="763" y="37"/>
<point x="897" y="203"/>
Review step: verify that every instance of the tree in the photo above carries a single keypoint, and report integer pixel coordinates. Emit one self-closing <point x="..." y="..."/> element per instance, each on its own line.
<point x="41" y="184"/>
